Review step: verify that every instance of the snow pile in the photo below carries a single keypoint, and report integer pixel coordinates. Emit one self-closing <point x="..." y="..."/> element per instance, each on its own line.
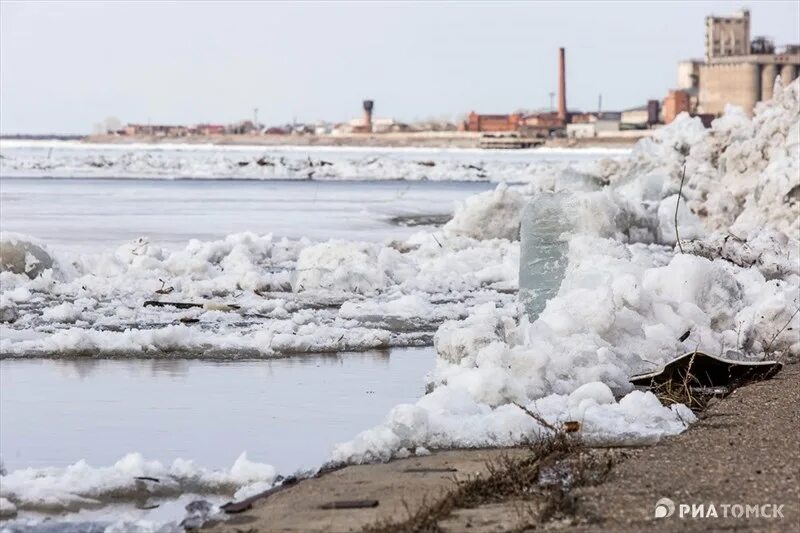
<point x="490" y="215"/>
<point x="67" y="313"/>
<point x="742" y="174"/>
<point x="349" y="266"/>
<point x="456" y="340"/>
<point x="131" y="478"/>
<point x="628" y="300"/>
<point x="403" y="306"/>
<point x="594" y="333"/>
<point x="447" y="418"/>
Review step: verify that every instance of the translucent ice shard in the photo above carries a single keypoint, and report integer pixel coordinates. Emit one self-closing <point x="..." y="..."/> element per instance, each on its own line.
<point x="543" y="257"/>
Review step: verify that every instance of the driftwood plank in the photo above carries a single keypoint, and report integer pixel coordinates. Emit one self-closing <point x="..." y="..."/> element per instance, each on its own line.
<point x="350" y="504"/>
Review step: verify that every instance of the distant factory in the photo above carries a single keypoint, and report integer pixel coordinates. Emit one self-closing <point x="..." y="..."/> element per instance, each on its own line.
<point x="736" y="70"/>
<point x="563" y="122"/>
<point x="535" y="124"/>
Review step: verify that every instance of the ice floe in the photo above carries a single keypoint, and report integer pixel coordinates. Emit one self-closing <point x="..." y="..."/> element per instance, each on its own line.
<point x="131" y="478"/>
<point x="251" y="295"/>
<point x="188" y="161"/>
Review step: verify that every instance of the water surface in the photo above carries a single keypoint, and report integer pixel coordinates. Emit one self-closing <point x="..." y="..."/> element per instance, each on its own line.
<point x="100" y="213"/>
<point x="285" y="412"/>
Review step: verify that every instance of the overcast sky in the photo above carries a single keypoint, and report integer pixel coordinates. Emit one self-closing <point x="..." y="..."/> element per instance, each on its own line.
<point x="67" y="65"/>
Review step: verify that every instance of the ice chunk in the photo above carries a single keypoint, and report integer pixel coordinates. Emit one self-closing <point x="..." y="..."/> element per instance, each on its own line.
<point x="7" y="509"/>
<point x="339" y="266"/>
<point x="549" y="222"/>
<point x="456" y="340"/>
<point x="8" y="309"/>
<point x="20" y="255"/>
<point x="490" y="215"/>
<point x="689" y="225"/>
<point x="543" y="256"/>
<point x="81" y="485"/>
<point x="66" y="312"/>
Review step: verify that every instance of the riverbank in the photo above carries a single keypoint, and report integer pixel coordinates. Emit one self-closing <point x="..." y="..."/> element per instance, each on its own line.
<point x="383" y="140"/>
<point x="742" y="451"/>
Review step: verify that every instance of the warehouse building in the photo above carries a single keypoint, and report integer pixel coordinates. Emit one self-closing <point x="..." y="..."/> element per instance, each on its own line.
<point x="736" y="70"/>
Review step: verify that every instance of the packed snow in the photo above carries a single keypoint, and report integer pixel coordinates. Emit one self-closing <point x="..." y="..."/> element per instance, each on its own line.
<point x="628" y="287"/>
<point x="491" y="215"/>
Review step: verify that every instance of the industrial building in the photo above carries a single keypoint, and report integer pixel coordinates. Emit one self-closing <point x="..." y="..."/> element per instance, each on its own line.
<point x="156" y="130"/>
<point x="597" y="127"/>
<point x="641" y="117"/>
<point x="736" y="69"/>
<point x="164" y="130"/>
<point x="537" y="124"/>
<point x="675" y="103"/>
<point x="476" y="122"/>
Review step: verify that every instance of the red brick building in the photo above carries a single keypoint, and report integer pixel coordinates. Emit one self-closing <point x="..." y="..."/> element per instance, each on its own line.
<point x="207" y="129"/>
<point x="476" y="122"/>
<point x="676" y="103"/>
<point x="544" y="120"/>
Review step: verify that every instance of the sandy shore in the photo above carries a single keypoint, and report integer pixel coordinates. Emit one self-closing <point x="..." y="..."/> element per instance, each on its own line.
<point x="744" y="450"/>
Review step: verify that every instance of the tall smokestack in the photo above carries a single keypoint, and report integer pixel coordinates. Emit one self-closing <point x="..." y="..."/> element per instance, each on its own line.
<point x="368" y="104"/>
<point x="562" y="87"/>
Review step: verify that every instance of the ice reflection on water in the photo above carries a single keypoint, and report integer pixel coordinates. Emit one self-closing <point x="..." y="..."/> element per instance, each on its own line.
<point x="285" y="412"/>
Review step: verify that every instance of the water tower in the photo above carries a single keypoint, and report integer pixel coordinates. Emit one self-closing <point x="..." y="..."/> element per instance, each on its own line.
<point x="368" y="105"/>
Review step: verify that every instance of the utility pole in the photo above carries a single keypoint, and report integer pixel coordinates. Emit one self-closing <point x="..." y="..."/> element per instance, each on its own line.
<point x="255" y="118"/>
<point x="552" y="95"/>
<point x="599" y="103"/>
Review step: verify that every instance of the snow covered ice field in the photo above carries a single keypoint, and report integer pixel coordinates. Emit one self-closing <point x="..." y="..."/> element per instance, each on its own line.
<point x="627" y="298"/>
<point x="71" y="159"/>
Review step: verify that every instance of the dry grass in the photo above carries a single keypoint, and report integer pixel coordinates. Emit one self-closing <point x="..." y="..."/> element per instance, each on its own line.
<point x="680" y="391"/>
<point x="697" y="394"/>
<point x="539" y="484"/>
<point x="683" y="390"/>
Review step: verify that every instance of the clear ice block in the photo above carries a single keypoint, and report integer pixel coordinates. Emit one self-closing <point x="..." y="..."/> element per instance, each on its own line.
<point x="543" y="254"/>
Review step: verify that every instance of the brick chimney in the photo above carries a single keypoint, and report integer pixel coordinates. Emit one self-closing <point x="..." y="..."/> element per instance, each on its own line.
<point x="562" y="87"/>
